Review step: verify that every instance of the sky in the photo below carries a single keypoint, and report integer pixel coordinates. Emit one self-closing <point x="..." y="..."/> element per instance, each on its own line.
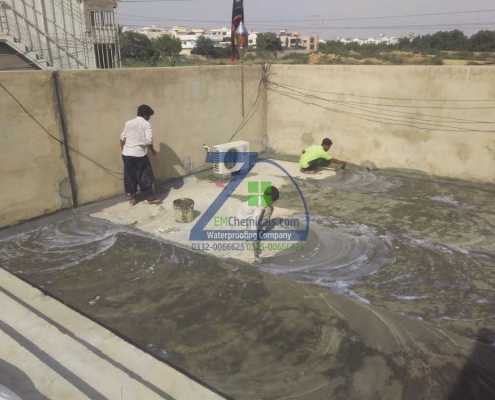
<point x="321" y="16"/>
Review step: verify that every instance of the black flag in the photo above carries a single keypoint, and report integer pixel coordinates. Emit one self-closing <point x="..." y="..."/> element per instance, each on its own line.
<point x="237" y="17"/>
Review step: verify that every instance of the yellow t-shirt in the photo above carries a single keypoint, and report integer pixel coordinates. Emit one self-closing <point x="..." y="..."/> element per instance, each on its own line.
<point x="313" y="153"/>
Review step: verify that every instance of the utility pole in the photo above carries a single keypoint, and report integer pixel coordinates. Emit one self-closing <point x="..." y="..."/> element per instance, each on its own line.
<point x="317" y="20"/>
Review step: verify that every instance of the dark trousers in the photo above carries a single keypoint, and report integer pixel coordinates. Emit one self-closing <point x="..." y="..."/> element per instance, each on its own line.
<point x="318" y="163"/>
<point x="137" y="171"/>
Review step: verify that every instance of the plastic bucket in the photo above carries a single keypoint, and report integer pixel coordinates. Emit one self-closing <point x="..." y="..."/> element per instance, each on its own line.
<point x="184" y="210"/>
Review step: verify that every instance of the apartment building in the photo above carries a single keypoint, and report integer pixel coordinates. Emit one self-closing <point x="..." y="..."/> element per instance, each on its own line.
<point x="59" y="34"/>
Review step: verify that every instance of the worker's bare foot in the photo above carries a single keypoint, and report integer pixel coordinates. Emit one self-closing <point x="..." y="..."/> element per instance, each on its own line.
<point x="133" y="202"/>
<point x="154" y="201"/>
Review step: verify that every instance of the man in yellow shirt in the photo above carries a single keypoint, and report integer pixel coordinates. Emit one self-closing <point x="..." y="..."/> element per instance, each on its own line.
<point x="317" y="156"/>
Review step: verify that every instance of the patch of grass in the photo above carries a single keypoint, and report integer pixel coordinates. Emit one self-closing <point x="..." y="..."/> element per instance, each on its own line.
<point x="392" y="59"/>
<point x="250" y="57"/>
<point x="296" y="58"/>
<point x="430" y="61"/>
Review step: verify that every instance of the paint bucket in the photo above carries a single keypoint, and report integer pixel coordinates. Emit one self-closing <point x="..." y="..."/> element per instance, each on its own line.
<point x="184" y="210"/>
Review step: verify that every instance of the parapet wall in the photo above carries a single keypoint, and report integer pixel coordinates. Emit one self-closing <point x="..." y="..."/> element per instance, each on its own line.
<point x="358" y="107"/>
<point x="193" y="106"/>
<point x="33" y="175"/>
<point x="372" y="113"/>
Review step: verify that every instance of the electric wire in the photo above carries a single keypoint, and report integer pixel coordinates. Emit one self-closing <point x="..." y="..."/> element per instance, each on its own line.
<point x="107" y="170"/>
<point x="371" y="109"/>
<point x="381" y="98"/>
<point x="325" y="19"/>
<point x="380" y="120"/>
<point x="112" y="173"/>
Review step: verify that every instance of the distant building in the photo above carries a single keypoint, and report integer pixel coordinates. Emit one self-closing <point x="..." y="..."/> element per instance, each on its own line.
<point x="221" y="32"/>
<point x="289" y="40"/>
<point x="224" y="33"/>
<point x="189" y="42"/>
<point x="294" y="40"/>
<point x="198" y="31"/>
<point x="309" y="42"/>
<point x="380" y="39"/>
<point x="178" y="30"/>
<point x="153" y="32"/>
<point x="253" y="36"/>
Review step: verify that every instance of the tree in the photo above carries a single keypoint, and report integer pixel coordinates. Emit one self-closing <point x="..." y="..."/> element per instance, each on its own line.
<point x="222" y="52"/>
<point x="268" y="42"/>
<point x="440" y="41"/>
<point x="204" y="47"/>
<point x="404" y="44"/>
<point x="482" y="41"/>
<point x="287" y="42"/>
<point x="134" y="45"/>
<point x="167" y="46"/>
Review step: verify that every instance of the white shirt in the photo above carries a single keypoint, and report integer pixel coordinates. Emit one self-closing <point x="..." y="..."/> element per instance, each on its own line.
<point x="137" y="134"/>
<point x="259" y="214"/>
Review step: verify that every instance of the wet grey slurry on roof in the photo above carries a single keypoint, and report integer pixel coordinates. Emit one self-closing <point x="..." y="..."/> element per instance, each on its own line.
<point x="419" y="246"/>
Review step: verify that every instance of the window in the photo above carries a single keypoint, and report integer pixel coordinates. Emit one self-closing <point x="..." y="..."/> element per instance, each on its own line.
<point x="105" y="55"/>
<point x="102" y="18"/>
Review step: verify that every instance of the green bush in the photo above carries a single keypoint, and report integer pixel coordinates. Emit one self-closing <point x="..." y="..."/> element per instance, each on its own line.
<point x="333" y="47"/>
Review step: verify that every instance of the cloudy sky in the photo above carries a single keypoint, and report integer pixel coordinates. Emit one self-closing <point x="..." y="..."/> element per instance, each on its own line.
<point x="356" y="16"/>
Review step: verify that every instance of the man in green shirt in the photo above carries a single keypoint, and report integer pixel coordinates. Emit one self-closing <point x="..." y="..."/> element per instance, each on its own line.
<point x="317" y="156"/>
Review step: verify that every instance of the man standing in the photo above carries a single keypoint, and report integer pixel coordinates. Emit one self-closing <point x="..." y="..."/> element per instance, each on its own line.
<point x="134" y="142"/>
<point x="317" y="156"/>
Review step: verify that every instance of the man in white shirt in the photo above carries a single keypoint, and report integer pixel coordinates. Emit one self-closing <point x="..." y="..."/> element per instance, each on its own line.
<point x="135" y="140"/>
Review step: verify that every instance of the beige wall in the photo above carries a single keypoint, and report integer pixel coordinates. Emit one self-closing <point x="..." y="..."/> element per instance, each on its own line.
<point x="293" y="125"/>
<point x="33" y="176"/>
<point x="193" y="105"/>
<point x="199" y="105"/>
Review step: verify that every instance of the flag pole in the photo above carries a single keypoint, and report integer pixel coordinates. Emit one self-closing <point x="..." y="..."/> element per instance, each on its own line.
<point x="239" y="40"/>
<point x="242" y="86"/>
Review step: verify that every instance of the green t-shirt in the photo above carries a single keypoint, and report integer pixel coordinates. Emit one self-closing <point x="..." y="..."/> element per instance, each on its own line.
<point x="313" y="153"/>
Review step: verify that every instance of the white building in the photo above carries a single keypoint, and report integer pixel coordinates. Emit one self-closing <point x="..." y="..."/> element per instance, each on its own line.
<point x="189" y="42"/>
<point x="253" y="36"/>
<point x="60" y="34"/>
<point x="224" y="33"/>
<point x="380" y="39"/>
<point x="221" y="32"/>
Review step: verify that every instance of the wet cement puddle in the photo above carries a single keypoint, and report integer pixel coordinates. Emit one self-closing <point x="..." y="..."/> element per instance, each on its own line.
<point x="407" y="243"/>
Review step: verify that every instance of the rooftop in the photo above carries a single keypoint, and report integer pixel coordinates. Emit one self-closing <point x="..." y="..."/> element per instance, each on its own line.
<point x="382" y="271"/>
<point x="391" y="295"/>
